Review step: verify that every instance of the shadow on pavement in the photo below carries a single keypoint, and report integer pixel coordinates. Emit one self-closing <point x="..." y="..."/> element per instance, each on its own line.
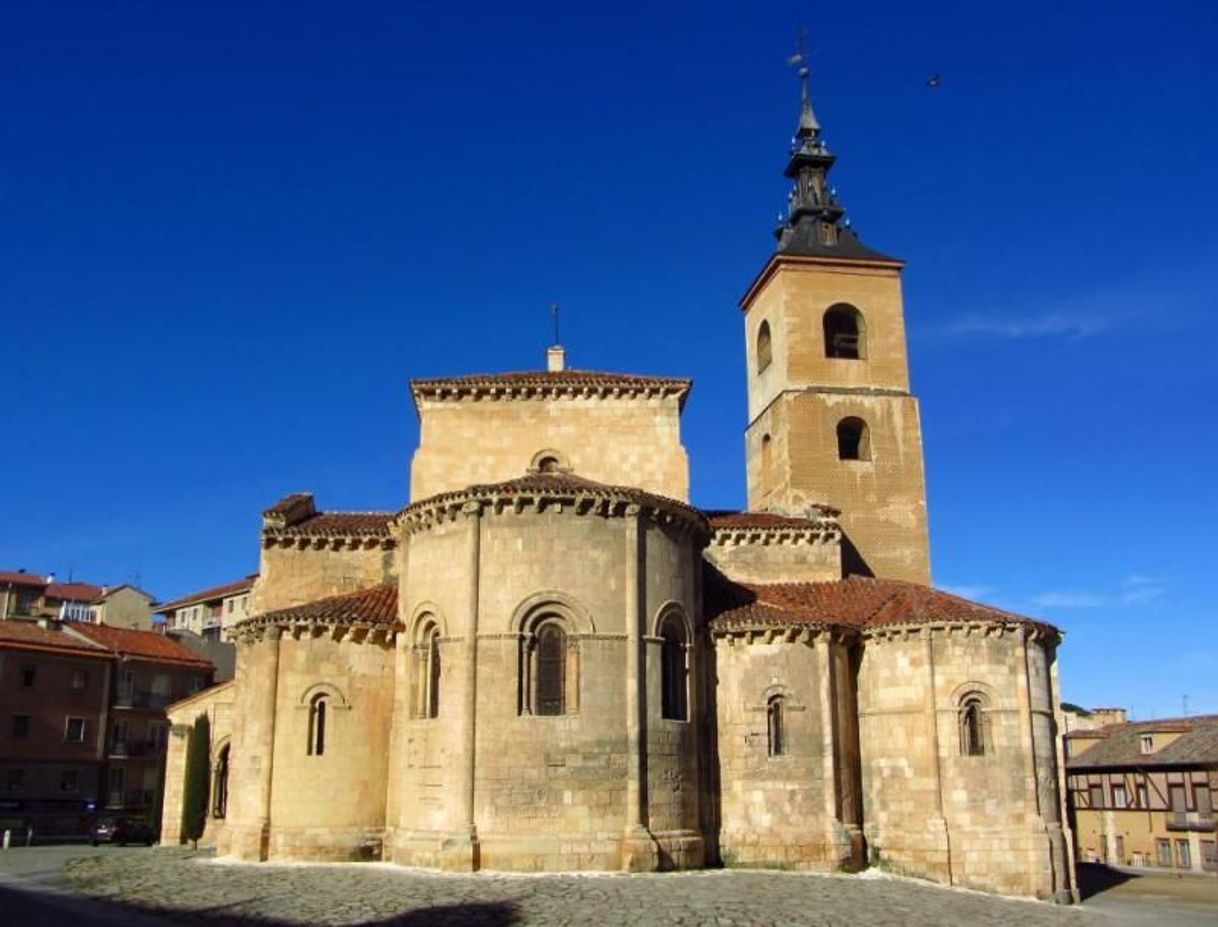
<point x="37" y="909"/>
<point x="1094" y="878"/>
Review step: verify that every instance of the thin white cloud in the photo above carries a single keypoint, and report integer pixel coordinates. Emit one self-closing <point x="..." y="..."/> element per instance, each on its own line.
<point x="966" y="591"/>
<point x="1048" y="325"/>
<point x="1135" y="589"/>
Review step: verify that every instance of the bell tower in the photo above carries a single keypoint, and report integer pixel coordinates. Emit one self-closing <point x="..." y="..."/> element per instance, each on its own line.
<point x="831" y="417"/>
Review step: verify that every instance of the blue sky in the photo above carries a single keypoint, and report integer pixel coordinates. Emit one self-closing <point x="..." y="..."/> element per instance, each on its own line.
<point x="233" y="231"/>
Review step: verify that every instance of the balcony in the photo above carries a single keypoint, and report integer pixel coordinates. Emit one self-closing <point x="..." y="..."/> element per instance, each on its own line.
<point x="127" y="748"/>
<point x="132" y="798"/>
<point x="139" y="699"/>
<point x="1190" y="820"/>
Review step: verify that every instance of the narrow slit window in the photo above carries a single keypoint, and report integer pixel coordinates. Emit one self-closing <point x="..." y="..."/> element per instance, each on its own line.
<point x="674" y="694"/>
<point x="972" y="727"/>
<point x="551" y="670"/>
<point x="776" y="724"/>
<point x="318" y="710"/>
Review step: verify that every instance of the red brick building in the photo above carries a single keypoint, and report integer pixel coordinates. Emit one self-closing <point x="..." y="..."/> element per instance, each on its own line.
<point x="82" y="722"/>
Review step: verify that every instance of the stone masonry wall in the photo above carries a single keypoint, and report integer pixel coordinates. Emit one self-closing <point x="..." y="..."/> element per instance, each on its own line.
<point x="294" y="575"/>
<point x="623" y="442"/>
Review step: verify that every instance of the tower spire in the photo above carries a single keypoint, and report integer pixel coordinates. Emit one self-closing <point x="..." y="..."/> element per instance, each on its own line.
<point x="814" y="223"/>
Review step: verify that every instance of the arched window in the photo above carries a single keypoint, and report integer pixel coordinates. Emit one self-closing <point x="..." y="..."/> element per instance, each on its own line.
<point x="427" y="671"/>
<point x="973" y="725"/>
<point x="219" y="797"/>
<point x="853" y="440"/>
<point x="550" y="693"/>
<point x="767" y="464"/>
<point x="318" y="709"/>
<point x="674" y="670"/>
<point x="764" y="350"/>
<point x="776" y="734"/>
<point x="845" y="332"/>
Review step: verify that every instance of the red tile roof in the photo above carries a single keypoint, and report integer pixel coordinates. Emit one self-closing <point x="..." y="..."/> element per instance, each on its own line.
<point x="377" y="605"/>
<point x="29" y="635"/>
<point x="21" y="579"/>
<point x="76" y="592"/>
<point x="141" y="645"/>
<point x="215" y="592"/>
<point x="337" y="524"/>
<point x="859" y="602"/>
<point x="1121" y="744"/>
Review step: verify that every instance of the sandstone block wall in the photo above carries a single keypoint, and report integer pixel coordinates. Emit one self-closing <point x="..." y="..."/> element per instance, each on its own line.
<point x="785" y="560"/>
<point x="620" y="441"/>
<point x="979" y="821"/>
<point x="294" y="575"/>
<point x="547" y="792"/>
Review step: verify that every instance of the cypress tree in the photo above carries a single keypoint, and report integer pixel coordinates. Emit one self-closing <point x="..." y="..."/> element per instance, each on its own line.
<point x="194" y="791"/>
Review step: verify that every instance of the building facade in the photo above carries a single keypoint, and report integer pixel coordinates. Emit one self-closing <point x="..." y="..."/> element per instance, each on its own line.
<point x="210" y="613"/>
<point x="27" y="595"/>
<point x="83" y="729"/>
<point x="1143" y="793"/>
<point x="550" y="660"/>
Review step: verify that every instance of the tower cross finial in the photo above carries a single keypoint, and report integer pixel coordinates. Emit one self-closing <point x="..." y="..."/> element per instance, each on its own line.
<point x="554" y="314"/>
<point x="808" y="126"/>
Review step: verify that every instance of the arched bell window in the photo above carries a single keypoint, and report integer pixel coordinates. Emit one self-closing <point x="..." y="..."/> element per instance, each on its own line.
<point x="845" y="332"/>
<point x="853" y="440"/>
<point x="674" y="670"/>
<point x="764" y="347"/>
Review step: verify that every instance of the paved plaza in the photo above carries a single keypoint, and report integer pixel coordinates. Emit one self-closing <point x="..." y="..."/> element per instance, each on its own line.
<point x="89" y="887"/>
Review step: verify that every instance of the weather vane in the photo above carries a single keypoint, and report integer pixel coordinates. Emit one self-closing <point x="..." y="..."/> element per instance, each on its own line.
<point x="554" y="313"/>
<point x="800" y="58"/>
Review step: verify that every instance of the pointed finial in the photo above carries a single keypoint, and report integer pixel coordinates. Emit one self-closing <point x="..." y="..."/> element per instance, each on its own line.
<point x="808" y="126"/>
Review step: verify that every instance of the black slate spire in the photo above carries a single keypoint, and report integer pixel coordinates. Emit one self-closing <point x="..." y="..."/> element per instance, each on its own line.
<point x="814" y="224"/>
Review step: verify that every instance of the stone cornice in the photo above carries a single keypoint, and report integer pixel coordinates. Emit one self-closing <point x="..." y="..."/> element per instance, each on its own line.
<point x="561" y="494"/>
<point x="541" y="385"/>
<point x="1030" y="630"/>
<point x="775" y="535"/>
<point x="352" y="541"/>
<point x="271" y="627"/>
<point x="793" y="632"/>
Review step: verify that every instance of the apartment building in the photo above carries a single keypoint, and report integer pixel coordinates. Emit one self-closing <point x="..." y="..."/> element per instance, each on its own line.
<point x="29" y="595"/>
<point x="83" y="728"/>
<point x="1143" y="793"/>
<point x="210" y="612"/>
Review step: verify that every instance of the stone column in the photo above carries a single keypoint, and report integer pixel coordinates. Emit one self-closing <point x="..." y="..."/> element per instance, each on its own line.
<point x="937" y="820"/>
<point x="256" y="702"/>
<point x="465" y="845"/>
<point x="639" y="850"/>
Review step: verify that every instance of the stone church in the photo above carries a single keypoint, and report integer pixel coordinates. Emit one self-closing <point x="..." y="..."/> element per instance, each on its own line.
<point x="549" y="659"/>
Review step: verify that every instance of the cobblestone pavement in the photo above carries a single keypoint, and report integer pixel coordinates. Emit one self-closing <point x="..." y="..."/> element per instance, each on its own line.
<point x="177" y="886"/>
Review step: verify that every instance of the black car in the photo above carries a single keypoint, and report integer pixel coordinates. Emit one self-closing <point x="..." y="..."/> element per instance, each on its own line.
<point x="121" y="831"/>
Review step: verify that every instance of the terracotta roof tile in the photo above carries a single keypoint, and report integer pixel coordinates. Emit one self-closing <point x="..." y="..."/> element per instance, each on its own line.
<point x="1121" y="744"/>
<point x="144" y="645"/>
<point x="215" y="592"/>
<point x="558" y="485"/>
<point x="377" y="605"/>
<point x="29" y="635"/>
<point x="338" y="524"/>
<point x="21" y="579"/>
<point x="859" y="602"/>
<point x="76" y="592"/>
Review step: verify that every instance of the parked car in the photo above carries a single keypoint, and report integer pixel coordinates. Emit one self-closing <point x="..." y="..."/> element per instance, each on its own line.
<point x="121" y="831"/>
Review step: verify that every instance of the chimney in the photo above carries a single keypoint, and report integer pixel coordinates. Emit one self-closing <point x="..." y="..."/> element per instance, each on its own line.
<point x="555" y="359"/>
